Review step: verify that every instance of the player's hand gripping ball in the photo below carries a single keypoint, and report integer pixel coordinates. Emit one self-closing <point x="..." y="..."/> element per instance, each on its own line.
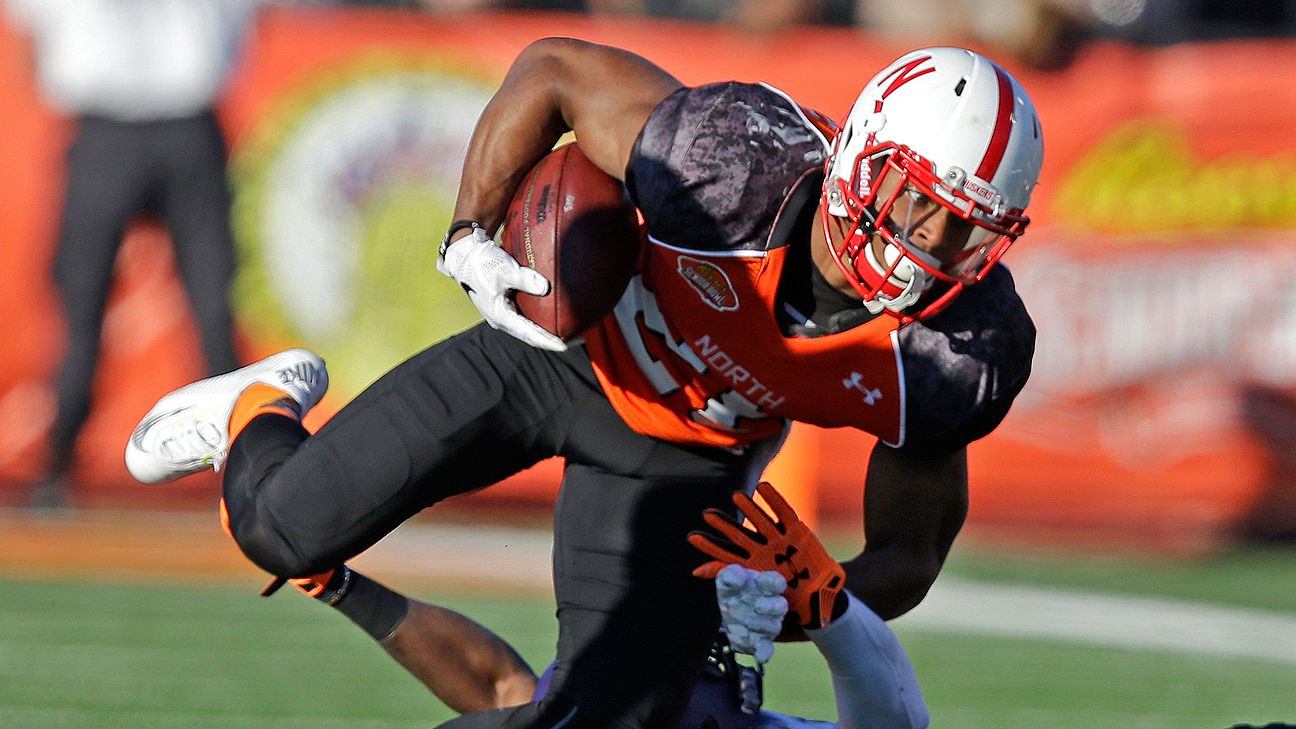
<point x="490" y="277"/>
<point x="572" y="223"/>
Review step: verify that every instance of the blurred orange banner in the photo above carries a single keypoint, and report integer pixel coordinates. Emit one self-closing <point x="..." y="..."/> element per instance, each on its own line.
<point x="1159" y="265"/>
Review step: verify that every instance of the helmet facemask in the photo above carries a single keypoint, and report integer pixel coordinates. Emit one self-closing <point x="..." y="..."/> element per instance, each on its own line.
<point x="874" y="216"/>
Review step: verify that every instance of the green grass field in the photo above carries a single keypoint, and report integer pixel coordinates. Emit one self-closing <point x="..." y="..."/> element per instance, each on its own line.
<point x="126" y="655"/>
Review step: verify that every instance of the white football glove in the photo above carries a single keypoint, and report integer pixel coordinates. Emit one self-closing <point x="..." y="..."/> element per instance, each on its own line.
<point x="752" y="607"/>
<point x="488" y="273"/>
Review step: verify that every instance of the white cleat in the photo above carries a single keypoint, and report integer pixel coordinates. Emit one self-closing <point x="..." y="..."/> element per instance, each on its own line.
<point x="187" y="431"/>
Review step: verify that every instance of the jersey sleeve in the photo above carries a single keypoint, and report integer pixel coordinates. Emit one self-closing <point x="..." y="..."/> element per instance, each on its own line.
<point x="964" y="367"/>
<point x="713" y="163"/>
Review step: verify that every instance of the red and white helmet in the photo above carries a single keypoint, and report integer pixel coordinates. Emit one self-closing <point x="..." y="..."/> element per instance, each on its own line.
<point x="956" y="130"/>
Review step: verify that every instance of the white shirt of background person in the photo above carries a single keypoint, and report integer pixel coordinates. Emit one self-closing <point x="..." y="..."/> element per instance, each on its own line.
<point x="134" y="60"/>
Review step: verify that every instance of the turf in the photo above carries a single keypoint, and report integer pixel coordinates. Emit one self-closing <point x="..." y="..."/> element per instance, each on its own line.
<point x="76" y="654"/>
<point x="1253" y="578"/>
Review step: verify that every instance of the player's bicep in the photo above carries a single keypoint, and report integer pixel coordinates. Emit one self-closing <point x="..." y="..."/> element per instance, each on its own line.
<point x="605" y="95"/>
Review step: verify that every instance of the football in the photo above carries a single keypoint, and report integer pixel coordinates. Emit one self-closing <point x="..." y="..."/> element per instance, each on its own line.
<point x="573" y="223"/>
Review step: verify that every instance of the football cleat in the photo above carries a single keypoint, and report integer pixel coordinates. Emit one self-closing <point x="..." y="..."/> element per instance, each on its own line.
<point x="187" y="431"/>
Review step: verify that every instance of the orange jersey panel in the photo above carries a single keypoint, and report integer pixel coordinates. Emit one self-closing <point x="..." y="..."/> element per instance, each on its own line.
<point x="694" y="353"/>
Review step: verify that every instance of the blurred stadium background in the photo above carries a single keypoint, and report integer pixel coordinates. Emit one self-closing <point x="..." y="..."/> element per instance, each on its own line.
<point x="1129" y="556"/>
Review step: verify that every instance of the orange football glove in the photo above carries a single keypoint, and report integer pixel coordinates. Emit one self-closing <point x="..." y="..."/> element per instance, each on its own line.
<point x="786" y="546"/>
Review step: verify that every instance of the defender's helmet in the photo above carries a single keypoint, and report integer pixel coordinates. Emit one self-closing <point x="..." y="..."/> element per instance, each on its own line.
<point x="940" y="127"/>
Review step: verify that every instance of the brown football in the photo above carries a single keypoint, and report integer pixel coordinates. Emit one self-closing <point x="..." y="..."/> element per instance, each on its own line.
<point x="573" y="223"/>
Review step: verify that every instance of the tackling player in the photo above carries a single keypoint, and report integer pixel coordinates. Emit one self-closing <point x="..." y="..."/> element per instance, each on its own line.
<point x="470" y="668"/>
<point x="843" y="282"/>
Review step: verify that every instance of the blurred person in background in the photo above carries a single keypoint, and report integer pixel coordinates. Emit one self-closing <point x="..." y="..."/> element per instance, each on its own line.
<point x="470" y="6"/>
<point x="761" y="17"/>
<point x="1165" y="22"/>
<point x="1047" y="34"/>
<point x="1043" y="34"/>
<point x="140" y="79"/>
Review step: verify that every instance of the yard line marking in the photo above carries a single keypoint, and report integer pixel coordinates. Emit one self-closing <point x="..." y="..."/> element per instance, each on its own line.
<point x="520" y="558"/>
<point x="517" y="558"/>
<point x="1104" y="619"/>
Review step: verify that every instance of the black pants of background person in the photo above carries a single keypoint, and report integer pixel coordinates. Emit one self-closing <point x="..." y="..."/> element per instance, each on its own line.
<point x="634" y="625"/>
<point x="115" y="171"/>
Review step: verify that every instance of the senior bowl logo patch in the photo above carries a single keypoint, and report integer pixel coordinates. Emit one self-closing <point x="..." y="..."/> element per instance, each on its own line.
<point x="711" y="283"/>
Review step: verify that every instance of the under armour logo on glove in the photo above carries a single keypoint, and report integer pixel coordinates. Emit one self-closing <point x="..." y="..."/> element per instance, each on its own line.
<point x="786" y="546"/>
<point x="786" y="558"/>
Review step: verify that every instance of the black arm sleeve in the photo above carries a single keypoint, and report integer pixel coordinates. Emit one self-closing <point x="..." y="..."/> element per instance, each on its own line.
<point x="966" y="365"/>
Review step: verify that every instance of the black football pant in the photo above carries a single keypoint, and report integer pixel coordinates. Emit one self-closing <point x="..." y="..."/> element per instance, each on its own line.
<point x="634" y="625"/>
<point x="115" y="171"/>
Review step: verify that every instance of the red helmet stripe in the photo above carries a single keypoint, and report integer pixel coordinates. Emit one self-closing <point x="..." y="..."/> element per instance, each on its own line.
<point x="1002" y="128"/>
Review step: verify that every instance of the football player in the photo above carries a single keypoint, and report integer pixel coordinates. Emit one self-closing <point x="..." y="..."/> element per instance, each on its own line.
<point x="471" y="668"/>
<point x="841" y="279"/>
